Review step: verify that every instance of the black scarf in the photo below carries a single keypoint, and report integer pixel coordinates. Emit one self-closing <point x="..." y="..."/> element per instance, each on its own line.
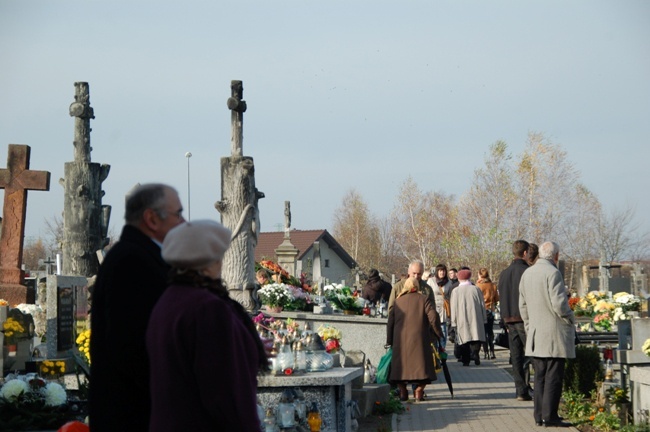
<point x="442" y="282"/>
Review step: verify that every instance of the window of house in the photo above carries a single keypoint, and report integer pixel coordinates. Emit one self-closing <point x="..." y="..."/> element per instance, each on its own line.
<point x="327" y="263"/>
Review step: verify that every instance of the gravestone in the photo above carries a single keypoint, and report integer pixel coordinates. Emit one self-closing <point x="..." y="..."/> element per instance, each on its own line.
<point x="238" y="207"/>
<point x="15" y="360"/>
<point x="16" y="180"/>
<point x="63" y="293"/>
<point x="85" y="219"/>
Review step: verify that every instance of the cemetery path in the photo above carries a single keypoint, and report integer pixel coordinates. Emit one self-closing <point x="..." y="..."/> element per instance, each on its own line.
<point x="484" y="400"/>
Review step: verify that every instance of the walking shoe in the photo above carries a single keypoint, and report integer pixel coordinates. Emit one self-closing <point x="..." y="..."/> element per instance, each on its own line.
<point x="523" y="398"/>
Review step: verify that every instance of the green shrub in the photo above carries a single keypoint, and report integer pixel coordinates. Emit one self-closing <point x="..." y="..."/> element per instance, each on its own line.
<point x="576" y="407"/>
<point x="392" y="405"/>
<point x="606" y="422"/>
<point x="582" y="372"/>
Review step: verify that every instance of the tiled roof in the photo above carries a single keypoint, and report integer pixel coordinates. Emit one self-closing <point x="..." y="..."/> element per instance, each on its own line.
<point x="268" y="242"/>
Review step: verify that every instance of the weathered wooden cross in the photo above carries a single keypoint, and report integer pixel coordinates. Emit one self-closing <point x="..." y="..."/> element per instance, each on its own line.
<point x="16" y="180"/>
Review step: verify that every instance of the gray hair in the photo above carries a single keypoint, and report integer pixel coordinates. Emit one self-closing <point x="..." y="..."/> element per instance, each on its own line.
<point x="548" y="250"/>
<point x="143" y="197"/>
<point x="418" y="262"/>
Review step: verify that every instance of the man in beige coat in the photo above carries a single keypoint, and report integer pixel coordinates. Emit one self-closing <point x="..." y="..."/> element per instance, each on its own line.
<point x="550" y="331"/>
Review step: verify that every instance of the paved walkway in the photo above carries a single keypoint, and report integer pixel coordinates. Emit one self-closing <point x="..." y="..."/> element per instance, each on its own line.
<point x="484" y="400"/>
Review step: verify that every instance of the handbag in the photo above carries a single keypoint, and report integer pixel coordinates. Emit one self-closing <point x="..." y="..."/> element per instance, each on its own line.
<point x="501" y="339"/>
<point x="383" y="369"/>
<point x="437" y="363"/>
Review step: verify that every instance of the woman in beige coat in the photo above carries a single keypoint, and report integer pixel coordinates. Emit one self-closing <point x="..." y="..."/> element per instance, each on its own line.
<point x="413" y="326"/>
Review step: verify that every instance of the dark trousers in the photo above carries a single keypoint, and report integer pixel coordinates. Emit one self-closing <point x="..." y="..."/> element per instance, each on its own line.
<point x="488" y="345"/>
<point x="549" y="374"/>
<point x="469" y="351"/>
<point x="520" y="363"/>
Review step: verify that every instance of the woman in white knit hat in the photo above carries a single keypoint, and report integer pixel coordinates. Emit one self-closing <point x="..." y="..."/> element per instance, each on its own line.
<point x="203" y="348"/>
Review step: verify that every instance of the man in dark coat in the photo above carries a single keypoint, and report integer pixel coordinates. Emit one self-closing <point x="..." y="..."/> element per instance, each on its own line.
<point x="509" y="299"/>
<point x="129" y="282"/>
<point x="376" y="289"/>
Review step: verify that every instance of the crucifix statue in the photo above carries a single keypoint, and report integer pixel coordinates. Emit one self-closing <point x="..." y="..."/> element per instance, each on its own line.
<point x="238" y="206"/>
<point x="16" y="180"/>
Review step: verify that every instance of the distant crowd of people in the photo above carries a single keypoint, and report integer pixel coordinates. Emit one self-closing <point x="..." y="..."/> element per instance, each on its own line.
<point x="166" y="336"/>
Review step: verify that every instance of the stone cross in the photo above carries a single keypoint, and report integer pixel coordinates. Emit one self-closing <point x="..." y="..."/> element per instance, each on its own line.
<point x="16" y="180"/>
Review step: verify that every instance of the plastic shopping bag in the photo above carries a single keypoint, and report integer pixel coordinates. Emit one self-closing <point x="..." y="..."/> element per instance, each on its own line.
<point x="383" y="370"/>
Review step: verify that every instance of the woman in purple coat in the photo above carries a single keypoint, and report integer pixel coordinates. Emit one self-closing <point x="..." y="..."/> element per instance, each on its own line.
<point x="203" y="348"/>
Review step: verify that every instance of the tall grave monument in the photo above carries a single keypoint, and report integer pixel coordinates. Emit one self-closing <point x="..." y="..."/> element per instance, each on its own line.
<point x="85" y="219"/>
<point x="238" y="206"/>
<point x="16" y="180"/>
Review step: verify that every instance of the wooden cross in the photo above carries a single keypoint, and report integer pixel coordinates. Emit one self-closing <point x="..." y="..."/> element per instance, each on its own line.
<point x="16" y="180"/>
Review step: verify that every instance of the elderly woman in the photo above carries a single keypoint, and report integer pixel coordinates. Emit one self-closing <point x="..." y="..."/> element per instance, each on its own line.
<point x="203" y="348"/>
<point x="413" y="326"/>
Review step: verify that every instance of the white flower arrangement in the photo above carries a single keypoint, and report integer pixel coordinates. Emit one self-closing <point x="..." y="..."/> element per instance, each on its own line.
<point x="55" y="394"/>
<point x="275" y="294"/>
<point x="13" y="389"/>
<point x="619" y="314"/>
<point x="626" y="301"/>
<point x="646" y="347"/>
<point x="22" y="387"/>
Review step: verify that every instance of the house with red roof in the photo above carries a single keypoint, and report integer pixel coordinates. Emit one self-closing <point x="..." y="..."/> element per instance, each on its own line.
<point x="336" y="264"/>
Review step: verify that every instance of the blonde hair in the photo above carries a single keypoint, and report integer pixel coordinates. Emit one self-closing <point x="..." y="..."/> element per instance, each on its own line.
<point x="408" y="286"/>
<point x="483" y="273"/>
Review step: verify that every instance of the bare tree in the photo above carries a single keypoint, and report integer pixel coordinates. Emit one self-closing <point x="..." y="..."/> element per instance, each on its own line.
<point x="619" y="237"/>
<point x="33" y="251"/>
<point x="486" y="210"/>
<point x="355" y="228"/>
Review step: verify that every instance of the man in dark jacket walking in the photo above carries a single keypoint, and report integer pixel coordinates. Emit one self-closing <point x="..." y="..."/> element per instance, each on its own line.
<point x="509" y="299"/>
<point x="376" y="289"/>
<point x="129" y="283"/>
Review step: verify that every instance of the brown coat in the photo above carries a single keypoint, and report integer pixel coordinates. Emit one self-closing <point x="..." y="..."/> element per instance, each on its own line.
<point x="410" y="330"/>
<point x="490" y="293"/>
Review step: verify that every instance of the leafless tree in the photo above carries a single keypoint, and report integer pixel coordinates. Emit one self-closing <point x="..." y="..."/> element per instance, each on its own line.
<point x="357" y="231"/>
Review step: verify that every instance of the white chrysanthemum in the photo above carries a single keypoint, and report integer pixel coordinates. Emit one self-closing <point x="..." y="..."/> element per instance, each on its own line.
<point x="12" y="389"/>
<point x="54" y="394"/>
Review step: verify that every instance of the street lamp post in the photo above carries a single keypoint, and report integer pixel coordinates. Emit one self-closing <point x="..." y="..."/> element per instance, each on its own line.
<point x="188" y="155"/>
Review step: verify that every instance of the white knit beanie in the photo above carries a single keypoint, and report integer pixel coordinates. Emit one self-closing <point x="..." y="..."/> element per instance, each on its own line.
<point x="195" y="244"/>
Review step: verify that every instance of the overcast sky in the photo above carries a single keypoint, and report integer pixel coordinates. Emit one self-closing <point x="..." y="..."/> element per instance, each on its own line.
<point x="340" y="94"/>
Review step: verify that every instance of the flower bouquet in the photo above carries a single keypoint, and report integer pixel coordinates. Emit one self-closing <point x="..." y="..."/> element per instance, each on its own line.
<point x="275" y="296"/>
<point x="301" y="300"/>
<point x="331" y="338"/>
<point x="27" y="402"/>
<point x="342" y="298"/>
<point x="603" y="322"/>
<point x="585" y="306"/>
<point x="13" y="331"/>
<point x="83" y="344"/>
<point x="627" y="302"/>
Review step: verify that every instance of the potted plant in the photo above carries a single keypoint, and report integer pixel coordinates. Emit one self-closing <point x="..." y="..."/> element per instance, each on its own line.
<point x="275" y="296"/>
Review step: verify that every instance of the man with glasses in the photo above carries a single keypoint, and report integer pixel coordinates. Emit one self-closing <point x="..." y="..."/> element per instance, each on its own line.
<point x="129" y="282"/>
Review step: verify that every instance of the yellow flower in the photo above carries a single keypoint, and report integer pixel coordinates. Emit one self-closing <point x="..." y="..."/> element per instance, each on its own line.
<point x="603" y="305"/>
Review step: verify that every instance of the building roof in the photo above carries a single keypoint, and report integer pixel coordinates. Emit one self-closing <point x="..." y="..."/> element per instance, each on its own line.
<point x="268" y="242"/>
